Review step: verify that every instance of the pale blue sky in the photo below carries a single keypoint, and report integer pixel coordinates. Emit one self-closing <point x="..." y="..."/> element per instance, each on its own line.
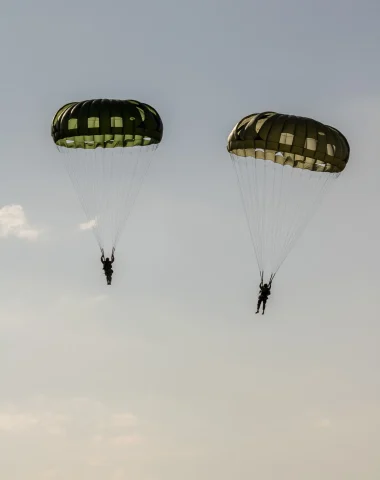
<point x="169" y="373"/>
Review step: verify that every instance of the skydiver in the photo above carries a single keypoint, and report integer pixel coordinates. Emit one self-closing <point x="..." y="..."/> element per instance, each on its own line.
<point x="107" y="265"/>
<point x="263" y="295"/>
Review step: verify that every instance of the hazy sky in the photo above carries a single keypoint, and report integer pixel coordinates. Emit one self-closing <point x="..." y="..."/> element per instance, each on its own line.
<point x="169" y="374"/>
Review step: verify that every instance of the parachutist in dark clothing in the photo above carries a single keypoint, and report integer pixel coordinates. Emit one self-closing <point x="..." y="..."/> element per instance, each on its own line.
<point x="107" y="266"/>
<point x="263" y="296"/>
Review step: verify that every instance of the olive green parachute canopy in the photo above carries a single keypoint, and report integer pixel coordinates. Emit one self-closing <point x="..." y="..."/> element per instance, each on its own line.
<point x="107" y="124"/>
<point x="299" y="142"/>
<point x="284" y="165"/>
<point x="92" y="137"/>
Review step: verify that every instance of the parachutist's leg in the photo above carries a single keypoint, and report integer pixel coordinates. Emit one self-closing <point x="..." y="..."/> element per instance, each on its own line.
<point x="264" y="303"/>
<point x="258" y="305"/>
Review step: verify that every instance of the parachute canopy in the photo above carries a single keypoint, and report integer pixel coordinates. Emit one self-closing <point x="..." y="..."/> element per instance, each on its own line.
<point x="106" y="123"/>
<point x="107" y="147"/>
<point x="303" y="142"/>
<point x="284" y="164"/>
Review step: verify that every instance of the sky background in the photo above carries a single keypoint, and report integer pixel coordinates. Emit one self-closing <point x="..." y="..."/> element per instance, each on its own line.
<point x="169" y="373"/>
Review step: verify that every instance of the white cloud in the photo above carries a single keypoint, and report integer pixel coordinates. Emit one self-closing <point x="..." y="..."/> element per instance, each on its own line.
<point x="323" y="423"/>
<point x="97" y="439"/>
<point x="75" y="299"/>
<point x="98" y="435"/>
<point x="98" y="298"/>
<point x="91" y="418"/>
<point x="88" y="225"/>
<point x="51" y="474"/>
<point x="97" y="461"/>
<point x="123" y="420"/>
<point x="13" y="222"/>
<point x="125" y="440"/>
<point x="119" y="474"/>
<point x="17" y="422"/>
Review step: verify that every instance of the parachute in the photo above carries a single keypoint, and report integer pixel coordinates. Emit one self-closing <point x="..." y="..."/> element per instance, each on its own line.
<point x="284" y="164"/>
<point x="108" y="147"/>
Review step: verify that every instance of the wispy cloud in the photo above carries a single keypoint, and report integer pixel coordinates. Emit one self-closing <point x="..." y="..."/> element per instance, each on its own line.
<point x="125" y="440"/>
<point x="13" y="222"/>
<point x="50" y="474"/>
<point x="97" y="461"/>
<point x="119" y="474"/>
<point x="75" y="298"/>
<point x="102" y="436"/>
<point x="123" y="420"/>
<point x="97" y="439"/>
<point x="97" y="298"/>
<point x="18" y="422"/>
<point x="102" y="426"/>
<point x="93" y="301"/>
<point x="323" y="423"/>
<point x="88" y="225"/>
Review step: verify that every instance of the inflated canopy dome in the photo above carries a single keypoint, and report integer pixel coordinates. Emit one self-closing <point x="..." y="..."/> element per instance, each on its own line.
<point x="290" y="140"/>
<point x="107" y="124"/>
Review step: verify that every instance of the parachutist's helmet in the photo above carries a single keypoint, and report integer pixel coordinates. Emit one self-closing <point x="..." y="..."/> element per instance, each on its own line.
<point x="266" y="285"/>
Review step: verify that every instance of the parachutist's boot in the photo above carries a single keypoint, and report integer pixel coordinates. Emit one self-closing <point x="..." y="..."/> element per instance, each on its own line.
<point x="257" y="311"/>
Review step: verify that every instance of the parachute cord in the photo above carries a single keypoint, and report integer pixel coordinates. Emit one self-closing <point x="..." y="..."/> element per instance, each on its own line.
<point x="270" y="278"/>
<point x="144" y="160"/>
<point x="309" y="213"/>
<point x="264" y="215"/>
<point x="292" y="215"/>
<point x="74" y="182"/>
<point x="273" y="211"/>
<point x="248" y="205"/>
<point x="282" y="222"/>
<point x="278" y="207"/>
<point x="260" y="172"/>
<point x="236" y="162"/>
<point x="106" y="187"/>
<point x="124" y="201"/>
<point x="291" y="219"/>
<point x="293" y="235"/>
<point x="255" y="212"/>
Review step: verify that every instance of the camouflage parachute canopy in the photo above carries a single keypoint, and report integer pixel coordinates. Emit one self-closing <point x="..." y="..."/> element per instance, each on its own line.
<point x="290" y="140"/>
<point x="107" y="124"/>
